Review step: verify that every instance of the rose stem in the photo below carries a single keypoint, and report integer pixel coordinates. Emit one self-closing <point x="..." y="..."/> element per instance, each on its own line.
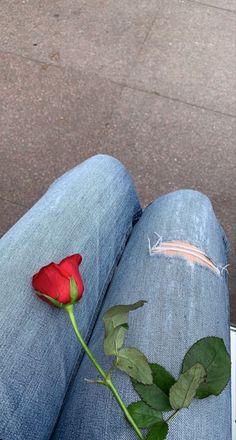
<point x="173" y="415"/>
<point x="107" y="381"/>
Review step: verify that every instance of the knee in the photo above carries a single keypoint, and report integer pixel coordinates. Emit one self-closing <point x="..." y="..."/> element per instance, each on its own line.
<point x="107" y="161"/>
<point x="182" y="200"/>
<point x="95" y="171"/>
<point x="191" y="197"/>
<point x="109" y="168"/>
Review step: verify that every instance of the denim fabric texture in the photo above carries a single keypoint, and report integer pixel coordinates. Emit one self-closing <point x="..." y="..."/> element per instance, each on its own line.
<point x="94" y="210"/>
<point x="89" y="210"/>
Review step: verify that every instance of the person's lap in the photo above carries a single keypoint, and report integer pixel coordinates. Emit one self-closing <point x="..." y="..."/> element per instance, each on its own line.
<point x="91" y="210"/>
<point x="186" y="301"/>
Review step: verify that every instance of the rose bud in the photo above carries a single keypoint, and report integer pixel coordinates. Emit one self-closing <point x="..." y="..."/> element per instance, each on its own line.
<point x="60" y="284"/>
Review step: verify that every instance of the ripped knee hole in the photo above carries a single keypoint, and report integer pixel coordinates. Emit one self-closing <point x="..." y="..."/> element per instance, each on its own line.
<point x="184" y="249"/>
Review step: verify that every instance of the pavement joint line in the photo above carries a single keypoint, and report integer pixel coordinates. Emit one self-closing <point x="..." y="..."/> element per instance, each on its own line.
<point x="212" y="6"/>
<point x="142" y="44"/>
<point x="121" y="84"/>
<point x="153" y="92"/>
<point x="34" y="60"/>
<point x="63" y="67"/>
<point x="13" y="203"/>
<point x="144" y="41"/>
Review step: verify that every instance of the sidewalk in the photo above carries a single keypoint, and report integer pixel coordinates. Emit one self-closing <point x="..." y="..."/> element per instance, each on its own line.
<point x="149" y="82"/>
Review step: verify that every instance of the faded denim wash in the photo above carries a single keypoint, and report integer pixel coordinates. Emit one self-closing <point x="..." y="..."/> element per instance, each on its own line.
<point x="94" y="210"/>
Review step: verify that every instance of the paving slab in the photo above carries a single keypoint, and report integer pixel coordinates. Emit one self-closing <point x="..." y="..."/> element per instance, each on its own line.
<point x="96" y="35"/>
<point x="48" y="114"/>
<point x="167" y="145"/>
<point x="229" y="5"/>
<point x="190" y="56"/>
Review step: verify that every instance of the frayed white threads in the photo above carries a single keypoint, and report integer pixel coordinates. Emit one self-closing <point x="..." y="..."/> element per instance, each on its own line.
<point x="155" y="245"/>
<point x="222" y="268"/>
<point x="183" y="248"/>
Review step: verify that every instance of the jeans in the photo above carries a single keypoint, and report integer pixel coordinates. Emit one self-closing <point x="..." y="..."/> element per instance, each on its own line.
<point x="93" y="209"/>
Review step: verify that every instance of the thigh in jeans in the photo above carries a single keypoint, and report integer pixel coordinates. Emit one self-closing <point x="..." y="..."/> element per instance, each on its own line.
<point x="185" y="284"/>
<point x="89" y="210"/>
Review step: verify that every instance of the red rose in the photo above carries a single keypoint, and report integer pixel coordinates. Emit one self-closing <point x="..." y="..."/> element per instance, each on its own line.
<point x="61" y="283"/>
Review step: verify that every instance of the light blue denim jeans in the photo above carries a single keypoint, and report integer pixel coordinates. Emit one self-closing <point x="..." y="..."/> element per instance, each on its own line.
<point x="94" y="210"/>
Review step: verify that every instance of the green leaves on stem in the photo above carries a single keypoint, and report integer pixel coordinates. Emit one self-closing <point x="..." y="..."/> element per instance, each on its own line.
<point x="212" y="354"/>
<point x="130" y="360"/>
<point x="69" y="308"/>
<point x="166" y="393"/>
<point x="184" y="390"/>
<point x="158" y="432"/>
<point x="154" y="399"/>
<point x="135" y="364"/>
<point x="116" y="325"/>
<point x="118" y="315"/>
<point x="143" y="415"/>
<point x="162" y="378"/>
<point x="153" y="396"/>
<point x="205" y="371"/>
<point x="156" y="395"/>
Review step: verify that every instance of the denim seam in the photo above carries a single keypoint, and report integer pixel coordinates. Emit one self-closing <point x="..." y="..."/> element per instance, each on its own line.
<point x="224" y="238"/>
<point x="92" y="323"/>
<point x="137" y="216"/>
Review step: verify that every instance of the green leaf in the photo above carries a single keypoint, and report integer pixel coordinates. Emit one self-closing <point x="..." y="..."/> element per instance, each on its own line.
<point x="184" y="390"/>
<point x="73" y="290"/>
<point x="153" y="396"/>
<point x="114" y="338"/>
<point x="53" y="301"/>
<point x="212" y="354"/>
<point x="159" y="431"/>
<point x="143" y="415"/>
<point x="162" y="378"/>
<point x="116" y="324"/>
<point x="118" y="315"/>
<point x="135" y="364"/>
